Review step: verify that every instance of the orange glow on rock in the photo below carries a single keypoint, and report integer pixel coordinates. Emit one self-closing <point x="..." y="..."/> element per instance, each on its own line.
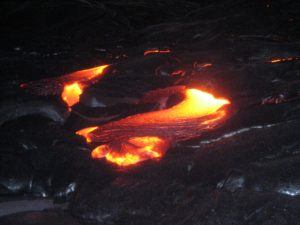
<point x="280" y="60"/>
<point x="178" y="73"/>
<point x="88" y="74"/>
<point x="71" y="93"/>
<point x="132" y="151"/>
<point x="122" y="159"/>
<point x="85" y="132"/>
<point x="204" y="65"/>
<point x="156" y="51"/>
<point x="148" y="135"/>
<point x="200" y="66"/>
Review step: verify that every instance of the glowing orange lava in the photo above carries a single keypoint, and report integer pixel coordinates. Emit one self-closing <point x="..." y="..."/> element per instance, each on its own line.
<point x="69" y="86"/>
<point x="148" y="135"/>
<point x="88" y="74"/>
<point x="132" y="151"/>
<point x="85" y="131"/>
<point x="201" y="66"/>
<point x="71" y="92"/>
<point x="156" y="51"/>
<point x="280" y="60"/>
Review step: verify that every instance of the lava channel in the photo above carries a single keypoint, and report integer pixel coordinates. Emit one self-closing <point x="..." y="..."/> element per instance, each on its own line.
<point x="148" y="135"/>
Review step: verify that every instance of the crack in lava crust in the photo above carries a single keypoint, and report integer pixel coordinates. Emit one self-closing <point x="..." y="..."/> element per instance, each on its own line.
<point x="148" y="135"/>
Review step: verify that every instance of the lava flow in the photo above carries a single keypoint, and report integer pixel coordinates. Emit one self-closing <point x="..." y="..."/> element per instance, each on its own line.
<point x="71" y="93"/>
<point x="280" y="60"/>
<point x="132" y="151"/>
<point x="70" y="86"/>
<point x="148" y="135"/>
<point x="156" y="51"/>
<point x="83" y="78"/>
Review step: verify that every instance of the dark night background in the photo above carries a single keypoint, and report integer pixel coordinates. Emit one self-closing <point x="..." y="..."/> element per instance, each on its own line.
<point x="246" y="172"/>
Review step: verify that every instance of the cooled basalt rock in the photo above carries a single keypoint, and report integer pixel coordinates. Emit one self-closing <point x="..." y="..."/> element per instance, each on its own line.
<point x="16" y="108"/>
<point x="48" y="217"/>
<point x="41" y="159"/>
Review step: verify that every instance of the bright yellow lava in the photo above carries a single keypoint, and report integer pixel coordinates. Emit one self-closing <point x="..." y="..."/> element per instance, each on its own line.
<point x="132" y="151"/>
<point x="71" y="93"/>
<point x="196" y="104"/>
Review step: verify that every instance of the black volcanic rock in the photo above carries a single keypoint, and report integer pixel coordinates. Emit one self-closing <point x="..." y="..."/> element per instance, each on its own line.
<point x="41" y="159"/>
<point x="239" y="178"/>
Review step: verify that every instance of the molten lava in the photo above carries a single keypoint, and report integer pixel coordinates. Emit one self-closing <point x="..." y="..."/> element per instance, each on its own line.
<point x="88" y="74"/>
<point x="156" y="51"/>
<point x="71" y="93"/>
<point x="132" y="151"/>
<point x="69" y="86"/>
<point x="85" y="131"/>
<point x="148" y="135"/>
<point x="280" y="60"/>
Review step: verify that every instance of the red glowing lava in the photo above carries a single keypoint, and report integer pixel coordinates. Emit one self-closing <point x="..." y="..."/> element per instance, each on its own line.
<point x="156" y="51"/>
<point x="201" y="66"/>
<point x="148" y="135"/>
<point x="85" y="132"/>
<point x="204" y="65"/>
<point x="280" y="60"/>
<point x="178" y="73"/>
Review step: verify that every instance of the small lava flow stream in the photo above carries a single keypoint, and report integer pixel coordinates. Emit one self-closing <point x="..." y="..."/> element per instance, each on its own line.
<point x="156" y="51"/>
<point x="69" y="86"/>
<point x="72" y="90"/>
<point x="281" y="60"/>
<point x="149" y="135"/>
